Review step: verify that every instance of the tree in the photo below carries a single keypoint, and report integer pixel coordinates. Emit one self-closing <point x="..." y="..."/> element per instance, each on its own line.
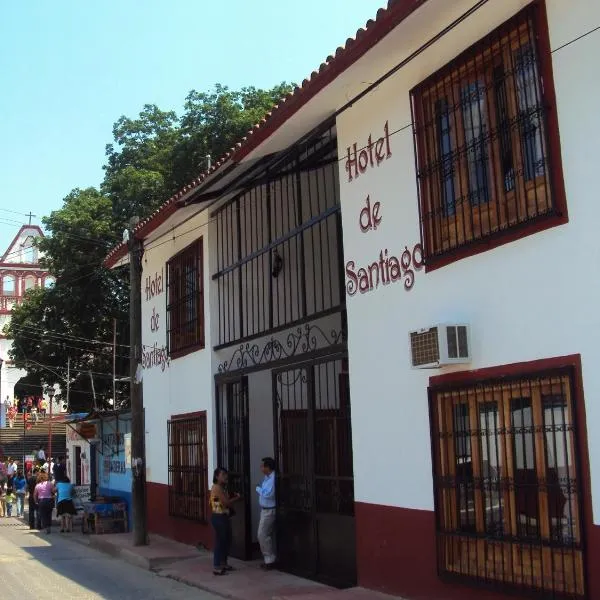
<point x="213" y="121"/>
<point x="151" y="157"/>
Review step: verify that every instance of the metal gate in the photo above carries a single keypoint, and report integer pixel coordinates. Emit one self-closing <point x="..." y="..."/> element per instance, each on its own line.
<point x="315" y="492"/>
<point x="233" y="449"/>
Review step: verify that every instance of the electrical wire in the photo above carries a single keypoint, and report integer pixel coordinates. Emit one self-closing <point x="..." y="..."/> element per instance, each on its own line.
<point x="108" y="353"/>
<point x="68" y="336"/>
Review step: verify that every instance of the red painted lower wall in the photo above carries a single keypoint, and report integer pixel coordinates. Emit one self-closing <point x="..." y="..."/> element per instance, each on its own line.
<point x="396" y="554"/>
<point x="181" y="530"/>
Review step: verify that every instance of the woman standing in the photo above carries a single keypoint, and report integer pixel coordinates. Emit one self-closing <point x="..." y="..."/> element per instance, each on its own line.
<point x="65" y="509"/>
<point x="220" y="504"/>
<point x="43" y="496"/>
<point x="20" y="485"/>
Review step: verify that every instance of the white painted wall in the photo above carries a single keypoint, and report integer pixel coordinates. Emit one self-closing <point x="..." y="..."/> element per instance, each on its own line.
<point x="186" y="384"/>
<point x="530" y="299"/>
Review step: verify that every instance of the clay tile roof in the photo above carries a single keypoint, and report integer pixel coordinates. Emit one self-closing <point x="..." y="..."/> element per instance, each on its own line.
<point x="364" y="39"/>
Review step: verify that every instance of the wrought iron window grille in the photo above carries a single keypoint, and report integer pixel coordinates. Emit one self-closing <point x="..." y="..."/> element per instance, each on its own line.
<point x="482" y="140"/>
<point x="506" y="483"/>
<point x="185" y="300"/>
<point x="188" y="476"/>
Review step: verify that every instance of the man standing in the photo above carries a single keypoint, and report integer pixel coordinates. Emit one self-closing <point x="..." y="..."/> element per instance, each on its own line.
<point x="266" y="526"/>
<point x="41" y="456"/>
<point x="34" y="523"/>
<point x="60" y="469"/>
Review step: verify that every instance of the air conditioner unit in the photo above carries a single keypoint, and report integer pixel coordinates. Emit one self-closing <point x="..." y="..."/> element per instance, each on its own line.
<point x="440" y="345"/>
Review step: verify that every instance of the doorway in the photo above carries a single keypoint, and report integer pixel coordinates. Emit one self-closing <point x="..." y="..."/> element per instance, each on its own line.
<point x="233" y="451"/>
<point x="77" y="465"/>
<point x="315" y="490"/>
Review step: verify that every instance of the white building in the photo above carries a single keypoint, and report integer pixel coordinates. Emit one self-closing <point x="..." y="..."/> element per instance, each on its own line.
<point x="452" y="144"/>
<point x="19" y="271"/>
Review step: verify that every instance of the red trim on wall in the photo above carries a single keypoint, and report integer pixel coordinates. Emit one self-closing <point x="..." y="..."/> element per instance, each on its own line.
<point x="485" y="244"/>
<point x="591" y="532"/>
<point x="189" y="415"/>
<point x="161" y="523"/>
<point x="396" y="553"/>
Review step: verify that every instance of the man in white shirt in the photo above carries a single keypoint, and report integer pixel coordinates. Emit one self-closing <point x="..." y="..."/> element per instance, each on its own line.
<point x="266" y="526"/>
<point x="41" y="455"/>
<point x="11" y="470"/>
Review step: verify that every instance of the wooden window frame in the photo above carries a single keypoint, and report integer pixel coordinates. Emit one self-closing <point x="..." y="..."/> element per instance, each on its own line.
<point x="185" y="505"/>
<point x="482" y="226"/>
<point x="182" y="343"/>
<point x="466" y="550"/>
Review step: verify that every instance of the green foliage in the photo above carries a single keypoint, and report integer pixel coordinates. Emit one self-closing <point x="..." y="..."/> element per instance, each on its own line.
<point x="151" y="157"/>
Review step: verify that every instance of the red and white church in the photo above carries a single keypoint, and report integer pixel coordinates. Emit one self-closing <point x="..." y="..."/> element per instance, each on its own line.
<point x="20" y="271"/>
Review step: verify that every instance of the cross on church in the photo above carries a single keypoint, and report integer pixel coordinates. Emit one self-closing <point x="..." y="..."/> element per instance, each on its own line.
<point x="30" y="215"/>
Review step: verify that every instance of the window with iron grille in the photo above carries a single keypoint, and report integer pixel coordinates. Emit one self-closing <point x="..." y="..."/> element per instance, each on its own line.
<point x="185" y="304"/>
<point x="485" y="162"/>
<point x="188" y="477"/>
<point x="506" y="483"/>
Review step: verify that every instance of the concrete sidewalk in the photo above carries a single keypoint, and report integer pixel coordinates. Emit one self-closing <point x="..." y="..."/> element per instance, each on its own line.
<point x="194" y="567"/>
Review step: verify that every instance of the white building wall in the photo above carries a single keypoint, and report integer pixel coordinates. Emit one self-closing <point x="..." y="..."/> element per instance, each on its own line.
<point x="530" y="299"/>
<point x="184" y="385"/>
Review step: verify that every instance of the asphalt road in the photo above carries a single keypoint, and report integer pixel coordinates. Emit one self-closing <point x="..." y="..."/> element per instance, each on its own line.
<point x="36" y="566"/>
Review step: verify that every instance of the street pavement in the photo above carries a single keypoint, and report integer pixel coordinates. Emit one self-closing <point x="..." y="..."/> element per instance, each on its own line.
<point x="36" y="566"/>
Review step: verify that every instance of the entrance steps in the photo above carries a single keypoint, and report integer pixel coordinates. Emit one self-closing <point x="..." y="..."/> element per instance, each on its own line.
<point x="16" y="440"/>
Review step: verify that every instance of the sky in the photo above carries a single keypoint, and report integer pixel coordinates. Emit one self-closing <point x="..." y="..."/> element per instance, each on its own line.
<point x="70" y="68"/>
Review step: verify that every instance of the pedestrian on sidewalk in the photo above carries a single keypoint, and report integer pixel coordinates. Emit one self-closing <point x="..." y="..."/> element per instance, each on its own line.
<point x="221" y="505"/>
<point x="11" y="470"/>
<point x="65" y="509"/>
<point x="40" y="456"/>
<point x="3" y="500"/>
<point x="11" y="500"/>
<point x="12" y="413"/>
<point x="266" y="525"/>
<point x="60" y="469"/>
<point x="44" y="498"/>
<point x="34" y="515"/>
<point x="20" y="484"/>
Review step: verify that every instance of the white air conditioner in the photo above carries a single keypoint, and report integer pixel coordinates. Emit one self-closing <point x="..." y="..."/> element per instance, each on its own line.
<point x="440" y="345"/>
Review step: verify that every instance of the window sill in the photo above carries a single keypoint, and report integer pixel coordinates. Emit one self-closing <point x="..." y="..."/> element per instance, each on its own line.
<point x="181" y="353"/>
<point x="494" y="241"/>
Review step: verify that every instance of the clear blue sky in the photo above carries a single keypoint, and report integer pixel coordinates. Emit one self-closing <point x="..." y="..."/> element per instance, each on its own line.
<point x="70" y="68"/>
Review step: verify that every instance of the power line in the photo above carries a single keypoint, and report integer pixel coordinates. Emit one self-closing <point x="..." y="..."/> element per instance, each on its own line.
<point x="67" y="336"/>
<point x="107" y="352"/>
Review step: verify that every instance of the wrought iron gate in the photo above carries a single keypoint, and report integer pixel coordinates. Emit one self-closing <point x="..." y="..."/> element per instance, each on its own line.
<point x="315" y="494"/>
<point x="233" y="449"/>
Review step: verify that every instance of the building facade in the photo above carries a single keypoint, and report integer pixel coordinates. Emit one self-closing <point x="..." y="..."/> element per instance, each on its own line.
<point x="382" y="287"/>
<point x="19" y="271"/>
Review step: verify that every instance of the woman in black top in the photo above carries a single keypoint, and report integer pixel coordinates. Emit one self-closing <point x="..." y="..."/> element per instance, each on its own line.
<point x="32" y="507"/>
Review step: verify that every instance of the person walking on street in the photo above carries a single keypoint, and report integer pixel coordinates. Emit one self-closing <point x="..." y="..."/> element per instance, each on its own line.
<point x="43" y="496"/>
<point x="20" y="485"/>
<point x="221" y="506"/>
<point x="65" y="509"/>
<point x="41" y="456"/>
<point x="12" y="413"/>
<point x="266" y="525"/>
<point x="11" y="500"/>
<point x="31" y="506"/>
<point x="11" y="470"/>
<point x="60" y="469"/>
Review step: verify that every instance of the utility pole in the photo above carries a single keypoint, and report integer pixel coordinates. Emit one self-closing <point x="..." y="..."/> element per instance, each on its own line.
<point x="138" y="463"/>
<point x="114" y="381"/>
<point x="68" y="381"/>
